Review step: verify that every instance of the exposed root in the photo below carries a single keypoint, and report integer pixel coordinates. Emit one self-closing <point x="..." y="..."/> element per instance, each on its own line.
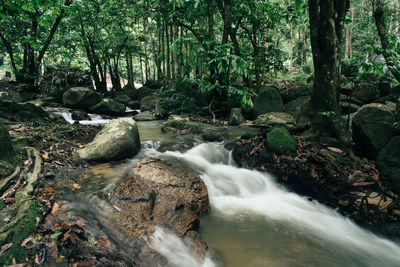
<point x="5" y="181"/>
<point x="35" y="173"/>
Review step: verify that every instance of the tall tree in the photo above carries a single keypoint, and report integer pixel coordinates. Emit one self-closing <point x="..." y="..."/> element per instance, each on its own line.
<point x="326" y="30"/>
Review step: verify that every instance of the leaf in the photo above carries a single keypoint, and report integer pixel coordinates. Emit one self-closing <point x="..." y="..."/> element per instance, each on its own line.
<point x="314" y="174"/>
<point x="55" y="235"/>
<point x="26" y="241"/>
<point x="334" y="149"/>
<point x="76" y="187"/>
<point x="59" y="163"/>
<point x="55" y="208"/>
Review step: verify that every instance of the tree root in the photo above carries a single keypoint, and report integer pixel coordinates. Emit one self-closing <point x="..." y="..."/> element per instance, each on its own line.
<point x="5" y="181"/>
<point x="35" y="173"/>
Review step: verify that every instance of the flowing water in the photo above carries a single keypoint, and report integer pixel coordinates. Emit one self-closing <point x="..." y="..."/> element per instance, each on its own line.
<point x="254" y="221"/>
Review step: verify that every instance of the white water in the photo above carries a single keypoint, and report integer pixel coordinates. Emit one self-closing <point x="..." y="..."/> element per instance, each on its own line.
<point x="236" y="192"/>
<point x="175" y="251"/>
<point x="95" y="119"/>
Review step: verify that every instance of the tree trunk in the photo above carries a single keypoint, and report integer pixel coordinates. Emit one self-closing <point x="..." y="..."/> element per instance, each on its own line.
<point x="168" y="56"/>
<point x="393" y="66"/>
<point x="326" y="31"/>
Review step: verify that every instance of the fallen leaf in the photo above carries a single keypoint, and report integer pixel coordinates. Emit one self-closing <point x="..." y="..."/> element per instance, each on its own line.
<point x="335" y="149"/>
<point x="48" y="189"/>
<point x="9" y="199"/>
<point x="263" y="168"/>
<point x="60" y="259"/>
<point x="26" y="241"/>
<point x="81" y="146"/>
<point x="139" y="165"/>
<point x="76" y="187"/>
<point x="55" y="208"/>
<point x="343" y="203"/>
<point x="37" y="259"/>
<point x="59" y="163"/>
<point x="45" y="155"/>
<point x="85" y="263"/>
<point x="5" y="247"/>
<point x="375" y="175"/>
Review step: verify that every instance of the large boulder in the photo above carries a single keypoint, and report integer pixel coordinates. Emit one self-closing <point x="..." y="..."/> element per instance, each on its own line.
<point x="388" y="162"/>
<point x="300" y="110"/>
<point x="236" y="117"/>
<point x="117" y="140"/>
<point x="269" y="100"/>
<point x="81" y="97"/>
<point x="372" y="129"/>
<point x="273" y="119"/>
<point x="129" y="91"/>
<point x="110" y="107"/>
<point x="148" y="103"/>
<point x="384" y="88"/>
<point x="22" y="112"/>
<point x="367" y="93"/>
<point x="281" y="142"/>
<point x="159" y="194"/>
<point x="145" y="116"/>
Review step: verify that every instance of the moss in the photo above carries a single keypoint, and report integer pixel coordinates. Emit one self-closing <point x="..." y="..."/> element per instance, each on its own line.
<point x="388" y="163"/>
<point x="23" y="225"/>
<point x="193" y="127"/>
<point x="280" y="141"/>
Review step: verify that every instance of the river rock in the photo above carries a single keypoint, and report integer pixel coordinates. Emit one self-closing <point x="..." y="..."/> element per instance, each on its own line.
<point x="272" y="119"/>
<point x="130" y="91"/>
<point x="235" y="117"/>
<point x="148" y="103"/>
<point x="348" y="107"/>
<point x="78" y="115"/>
<point x="145" y="116"/>
<point x="126" y="100"/>
<point x="281" y="142"/>
<point x="81" y="97"/>
<point x="367" y="93"/>
<point x="159" y="194"/>
<point x="110" y="107"/>
<point x="388" y="162"/>
<point x="269" y="100"/>
<point x="117" y="140"/>
<point x="372" y="129"/>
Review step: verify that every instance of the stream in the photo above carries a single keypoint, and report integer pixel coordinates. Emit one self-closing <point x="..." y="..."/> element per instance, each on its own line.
<point x="254" y="221"/>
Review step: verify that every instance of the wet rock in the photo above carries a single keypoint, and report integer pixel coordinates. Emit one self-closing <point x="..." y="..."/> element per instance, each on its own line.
<point x="78" y="115"/>
<point x="148" y="103"/>
<point x="388" y="162"/>
<point x="145" y="116"/>
<point x="110" y="107"/>
<point x="367" y="93"/>
<point x="275" y="119"/>
<point x="81" y="97"/>
<point x="117" y="140"/>
<point x="126" y="100"/>
<point x="235" y="117"/>
<point x="130" y="91"/>
<point x="213" y="137"/>
<point x="175" y="124"/>
<point x="158" y="193"/>
<point x="372" y="129"/>
<point x="280" y="141"/>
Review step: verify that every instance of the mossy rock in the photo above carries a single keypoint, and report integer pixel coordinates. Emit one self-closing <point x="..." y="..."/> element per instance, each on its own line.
<point x="81" y="97"/>
<point x="108" y="106"/>
<point x="22" y="226"/>
<point x="236" y="117"/>
<point x="281" y="142"/>
<point x="388" y="162"/>
<point x="181" y="125"/>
